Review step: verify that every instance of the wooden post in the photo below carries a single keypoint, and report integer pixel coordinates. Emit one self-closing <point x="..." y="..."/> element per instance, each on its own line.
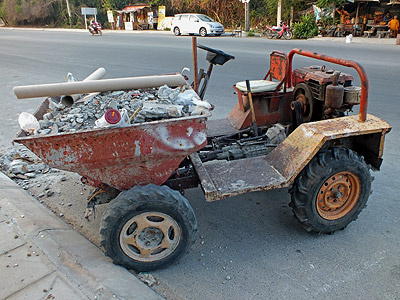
<point x="195" y="71"/>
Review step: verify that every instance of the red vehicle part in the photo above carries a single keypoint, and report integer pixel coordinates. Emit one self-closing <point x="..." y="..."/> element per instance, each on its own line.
<point x="347" y="63"/>
<point x="270" y="107"/>
<point x="322" y="76"/>
<point x="122" y="157"/>
<point x="278" y="32"/>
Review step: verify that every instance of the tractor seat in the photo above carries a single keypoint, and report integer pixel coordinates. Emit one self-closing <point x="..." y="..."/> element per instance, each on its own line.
<point x="258" y="86"/>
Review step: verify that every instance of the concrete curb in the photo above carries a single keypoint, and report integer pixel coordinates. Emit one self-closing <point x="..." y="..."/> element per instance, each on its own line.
<point x="356" y="40"/>
<point x="105" y="31"/>
<point x="69" y="267"/>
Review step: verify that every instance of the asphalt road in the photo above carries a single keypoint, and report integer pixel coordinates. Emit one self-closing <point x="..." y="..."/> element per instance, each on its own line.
<point x="250" y="247"/>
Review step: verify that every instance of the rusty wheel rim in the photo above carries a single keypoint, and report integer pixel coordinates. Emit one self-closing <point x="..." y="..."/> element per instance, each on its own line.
<point x="338" y="195"/>
<point x="150" y="236"/>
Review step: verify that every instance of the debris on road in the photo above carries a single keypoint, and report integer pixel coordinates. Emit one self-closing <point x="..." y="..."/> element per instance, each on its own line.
<point x="147" y="279"/>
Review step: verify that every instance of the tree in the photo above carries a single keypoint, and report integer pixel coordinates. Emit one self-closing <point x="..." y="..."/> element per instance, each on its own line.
<point x="115" y="4"/>
<point x="228" y="12"/>
<point x="24" y="12"/>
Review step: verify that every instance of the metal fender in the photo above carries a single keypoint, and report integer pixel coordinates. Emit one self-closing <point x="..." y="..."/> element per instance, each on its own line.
<point x="297" y="150"/>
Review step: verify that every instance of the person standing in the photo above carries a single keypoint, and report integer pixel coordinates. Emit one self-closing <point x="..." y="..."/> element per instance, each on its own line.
<point x="394" y="26"/>
<point x="343" y="14"/>
<point x="387" y="18"/>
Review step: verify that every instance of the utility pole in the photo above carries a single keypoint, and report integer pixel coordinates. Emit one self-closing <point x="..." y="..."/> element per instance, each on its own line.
<point x="69" y="12"/>
<point x="246" y="14"/>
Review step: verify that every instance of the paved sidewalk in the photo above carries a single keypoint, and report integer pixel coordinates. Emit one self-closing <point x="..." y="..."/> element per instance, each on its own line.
<point x="41" y="257"/>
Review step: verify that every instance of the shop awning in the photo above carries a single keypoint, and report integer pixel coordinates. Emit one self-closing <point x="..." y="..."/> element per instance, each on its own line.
<point x="133" y="8"/>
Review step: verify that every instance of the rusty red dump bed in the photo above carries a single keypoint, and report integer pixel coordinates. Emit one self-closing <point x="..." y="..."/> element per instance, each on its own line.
<point x="121" y="157"/>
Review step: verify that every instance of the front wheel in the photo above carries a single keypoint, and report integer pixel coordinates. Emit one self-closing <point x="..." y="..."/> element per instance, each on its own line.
<point x="288" y="35"/>
<point x="203" y="31"/>
<point x="100" y="32"/>
<point x="331" y="191"/>
<point x="148" y="227"/>
<point x="177" y="31"/>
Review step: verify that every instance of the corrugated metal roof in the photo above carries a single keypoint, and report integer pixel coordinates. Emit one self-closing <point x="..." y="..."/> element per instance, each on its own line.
<point x="133" y="8"/>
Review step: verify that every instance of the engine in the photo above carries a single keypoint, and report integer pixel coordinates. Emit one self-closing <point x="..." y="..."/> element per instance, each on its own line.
<point x="322" y="93"/>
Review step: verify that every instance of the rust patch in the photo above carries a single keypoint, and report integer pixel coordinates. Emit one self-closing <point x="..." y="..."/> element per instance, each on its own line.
<point x="123" y="157"/>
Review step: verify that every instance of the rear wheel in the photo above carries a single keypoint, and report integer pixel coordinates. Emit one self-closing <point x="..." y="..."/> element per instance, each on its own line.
<point x="100" y="32"/>
<point x="268" y="34"/>
<point x="148" y="227"/>
<point x="203" y="31"/>
<point x="177" y="31"/>
<point x="331" y="191"/>
<point x="288" y="35"/>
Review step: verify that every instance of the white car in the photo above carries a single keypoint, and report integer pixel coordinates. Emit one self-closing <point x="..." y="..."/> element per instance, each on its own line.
<point x="196" y="24"/>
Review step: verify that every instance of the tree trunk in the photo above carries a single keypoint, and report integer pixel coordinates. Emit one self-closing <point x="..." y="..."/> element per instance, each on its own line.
<point x="279" y="13"/>
<point x="291" y="15"/>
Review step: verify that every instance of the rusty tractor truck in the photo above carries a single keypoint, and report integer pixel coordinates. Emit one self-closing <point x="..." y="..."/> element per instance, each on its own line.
<point x="290" y="129"/>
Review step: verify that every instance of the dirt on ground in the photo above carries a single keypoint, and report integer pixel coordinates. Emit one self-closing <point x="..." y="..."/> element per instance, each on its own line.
<point x="62" y="192"/>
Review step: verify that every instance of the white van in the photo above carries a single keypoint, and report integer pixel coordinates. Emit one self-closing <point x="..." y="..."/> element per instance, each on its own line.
<point x="196" y="24"/>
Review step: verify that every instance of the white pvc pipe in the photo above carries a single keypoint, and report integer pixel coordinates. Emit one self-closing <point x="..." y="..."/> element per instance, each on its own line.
<point x="69" y="100"/>
<point x="103" y="85"/>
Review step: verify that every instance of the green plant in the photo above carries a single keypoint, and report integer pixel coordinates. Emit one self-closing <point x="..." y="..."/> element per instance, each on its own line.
<point x="327" y="21"/>
<point x="306" y="28"/>
<point x="250" y="33"/>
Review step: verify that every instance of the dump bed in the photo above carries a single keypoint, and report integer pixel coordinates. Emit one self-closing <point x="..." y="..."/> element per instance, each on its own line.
<point x="121" y="157"/>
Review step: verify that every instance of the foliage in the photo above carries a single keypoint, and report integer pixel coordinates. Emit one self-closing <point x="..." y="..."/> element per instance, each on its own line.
<point x="25" y="12"/>
<point x="326" y="22"/>
<point x="228" y="12"/>
<point x="326" y="3"/>
<point x="306" y="28"/>
<point x="272" y="5"/>
<point x="115" y="4"/>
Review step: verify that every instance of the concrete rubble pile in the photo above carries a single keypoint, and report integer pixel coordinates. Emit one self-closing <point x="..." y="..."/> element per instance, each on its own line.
<point x="134" y="106"/>
<point x="22" y="166"/>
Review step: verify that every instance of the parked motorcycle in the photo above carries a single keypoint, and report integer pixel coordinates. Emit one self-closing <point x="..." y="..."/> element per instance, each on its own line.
<point x="95" y="28"/>
<point x="274" y="31"/>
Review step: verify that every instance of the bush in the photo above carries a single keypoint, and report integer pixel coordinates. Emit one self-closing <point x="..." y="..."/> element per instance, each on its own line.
<point x="306" y="28"/>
